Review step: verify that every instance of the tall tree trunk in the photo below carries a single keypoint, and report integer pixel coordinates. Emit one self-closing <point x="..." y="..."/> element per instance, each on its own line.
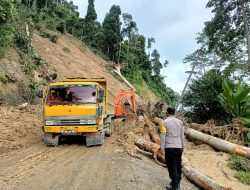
<point x="246" y="27"/>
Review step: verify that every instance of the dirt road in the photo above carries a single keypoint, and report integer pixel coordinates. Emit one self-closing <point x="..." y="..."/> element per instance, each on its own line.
<point x="75" y="166"/>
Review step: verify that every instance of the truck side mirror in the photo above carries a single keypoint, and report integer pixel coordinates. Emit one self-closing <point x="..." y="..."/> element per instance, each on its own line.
<point x="101" y="95"/>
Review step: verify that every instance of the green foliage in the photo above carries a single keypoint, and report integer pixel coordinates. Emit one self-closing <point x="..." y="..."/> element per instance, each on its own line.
<point x="28" y="91"/>
<point x="105" y="40"/>
<point x="7" y="10"/>
<point x="242" y="166"/>
<point x="155" y="61"/>
<point x="54" y="38"/>
<point x="35" y="56"/>
<point x="22" y="40"/>
<point x="112" y="33"/>
<point x="66" y="50"/>
<point x="201" y="102"/>
<point x="236" y="100"/>
<point x="130" y="29"/>
<point x="45" y="34"/>
<point x="27" y="66"/>
<point x="3" y="78"/>
<point x="6" y="37"/>
<point x="225" y="31"/>
<point x="89" y="24"/>
<point x="248" y="139"/>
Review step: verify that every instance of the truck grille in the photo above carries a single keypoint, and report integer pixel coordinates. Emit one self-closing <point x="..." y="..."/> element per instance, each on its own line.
<point x="75" y="120"/>
<point x="68" y="122"/>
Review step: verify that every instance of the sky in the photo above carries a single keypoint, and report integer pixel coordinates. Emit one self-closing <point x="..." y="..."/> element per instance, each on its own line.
<point x="173" y="24"/>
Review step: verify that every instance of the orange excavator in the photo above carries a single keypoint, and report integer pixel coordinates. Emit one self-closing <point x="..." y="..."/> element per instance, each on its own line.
<point x="121" y="101"/>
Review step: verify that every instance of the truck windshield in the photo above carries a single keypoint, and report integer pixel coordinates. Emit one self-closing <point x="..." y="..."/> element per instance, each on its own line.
<point x="78" y="94"/>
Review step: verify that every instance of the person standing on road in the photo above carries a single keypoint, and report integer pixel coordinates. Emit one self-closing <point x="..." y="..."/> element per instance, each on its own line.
<point x="173" y="144"/>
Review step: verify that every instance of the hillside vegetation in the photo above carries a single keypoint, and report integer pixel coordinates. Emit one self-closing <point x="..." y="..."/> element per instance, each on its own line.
<point x="36" y="35"/>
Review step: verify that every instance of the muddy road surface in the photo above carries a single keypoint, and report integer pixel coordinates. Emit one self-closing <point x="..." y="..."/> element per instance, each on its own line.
<point x="75" y="166"/>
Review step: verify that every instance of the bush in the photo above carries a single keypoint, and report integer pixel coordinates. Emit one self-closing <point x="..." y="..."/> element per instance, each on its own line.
<point x="22" y="40"/>
<point x="10" y="95"/>
<point x="27" y="66"/>
<point x="28" y="91"/>
<point x="3" y="78"/>
<point x="45" y="34"/>
<point x="66" y="50"/>
<point x="242" y="166"/>
<point x="54" y="38"/>
<point x="35" y="56"/>
<point x="6" y="37"/>
<point x="61" y="27"/>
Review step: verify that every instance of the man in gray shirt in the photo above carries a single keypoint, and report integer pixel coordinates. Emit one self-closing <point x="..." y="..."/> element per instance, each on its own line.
<point x="173" y="144"/>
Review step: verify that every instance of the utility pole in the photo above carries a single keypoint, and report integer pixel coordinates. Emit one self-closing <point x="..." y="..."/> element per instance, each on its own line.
<point x="184" y="89"/>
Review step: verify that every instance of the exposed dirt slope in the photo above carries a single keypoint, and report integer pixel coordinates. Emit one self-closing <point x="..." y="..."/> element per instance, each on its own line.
<point x="79" y="62"/>
<point x="19" y="128"/>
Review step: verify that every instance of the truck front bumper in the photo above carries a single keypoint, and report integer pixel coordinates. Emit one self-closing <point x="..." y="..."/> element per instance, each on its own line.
<point x="75" y="129"/>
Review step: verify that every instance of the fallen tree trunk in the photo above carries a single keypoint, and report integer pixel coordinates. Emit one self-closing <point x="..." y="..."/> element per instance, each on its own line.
<point x="190" y="172"/>
<point x="200" y="179"/>
<point x="217" y="143"/>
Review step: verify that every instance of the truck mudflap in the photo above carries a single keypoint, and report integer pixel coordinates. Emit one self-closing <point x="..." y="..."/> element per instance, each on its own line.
<point x="51" y="140"/>
<point x="97" y="138"/>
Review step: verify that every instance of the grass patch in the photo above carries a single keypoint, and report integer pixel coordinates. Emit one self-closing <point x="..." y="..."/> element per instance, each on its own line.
<point x="3" y="78"/>
<point x="242" y="166"/>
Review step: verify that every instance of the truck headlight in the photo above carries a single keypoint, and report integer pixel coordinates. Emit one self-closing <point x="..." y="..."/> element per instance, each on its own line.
<point x="49" y="122"/>
<point x="91" y="121"/>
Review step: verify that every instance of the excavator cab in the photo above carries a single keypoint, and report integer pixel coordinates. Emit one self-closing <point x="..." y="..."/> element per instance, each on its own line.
<point x="121" y="106"/>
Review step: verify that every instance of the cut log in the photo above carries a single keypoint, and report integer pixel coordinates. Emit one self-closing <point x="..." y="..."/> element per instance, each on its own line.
<point x="190" y="172"/>
<point x="218" y="144"/>
<point x="150" y="147"/>
<point x="200" y="179"/>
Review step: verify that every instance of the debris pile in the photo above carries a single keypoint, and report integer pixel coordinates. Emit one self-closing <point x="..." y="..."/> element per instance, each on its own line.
<point x="235" y="132"/>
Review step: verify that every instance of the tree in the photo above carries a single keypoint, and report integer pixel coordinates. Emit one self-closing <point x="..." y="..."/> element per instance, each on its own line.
<point x="7" y="11"/>
<point x="130" y="28"/>
<point x="200" y="101"/>
<point x="112" y="33"/>
<point x="155" y="61"/>
<point x="150" y="41"/>
<point x="227" y="32"/>
<point x="89" y="26"/>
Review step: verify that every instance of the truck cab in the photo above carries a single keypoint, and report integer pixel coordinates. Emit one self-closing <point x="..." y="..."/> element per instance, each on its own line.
<point x="77" y="106"/>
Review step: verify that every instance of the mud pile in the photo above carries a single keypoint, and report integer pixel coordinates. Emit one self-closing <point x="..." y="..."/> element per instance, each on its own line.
<point x="19" y="128"/>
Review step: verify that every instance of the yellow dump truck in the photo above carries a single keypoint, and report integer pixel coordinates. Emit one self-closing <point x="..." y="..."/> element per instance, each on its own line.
<point x="78" y="106"/>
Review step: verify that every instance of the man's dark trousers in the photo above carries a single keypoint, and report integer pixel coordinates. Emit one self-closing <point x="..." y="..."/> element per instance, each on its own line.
<point x="173" y="161"/>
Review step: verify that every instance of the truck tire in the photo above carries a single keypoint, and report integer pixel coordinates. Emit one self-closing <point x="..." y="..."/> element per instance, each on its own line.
<point x="109" y="130"/>
<point x="51" y="140"/>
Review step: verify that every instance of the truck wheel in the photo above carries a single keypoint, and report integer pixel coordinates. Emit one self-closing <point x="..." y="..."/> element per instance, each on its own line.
<point x="51" y="140"/>
<point x="109" y="130"/>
